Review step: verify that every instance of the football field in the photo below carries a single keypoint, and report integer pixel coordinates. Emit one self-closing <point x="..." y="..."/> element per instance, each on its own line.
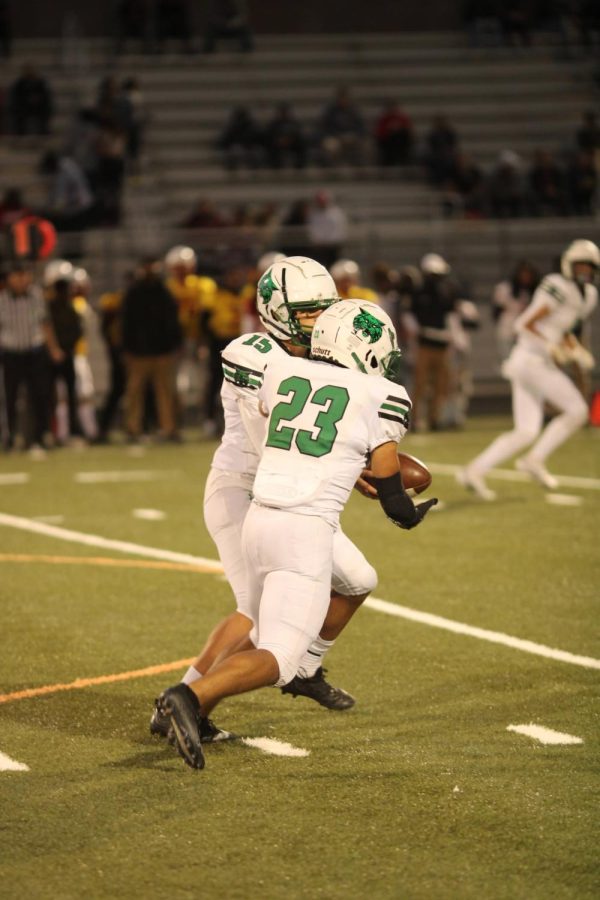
<point x="469" y="767"/>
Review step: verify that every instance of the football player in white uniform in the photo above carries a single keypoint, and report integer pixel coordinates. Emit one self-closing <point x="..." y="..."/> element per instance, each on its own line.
<point x="290" y="296"/>
<point x="324" y="416"/>
<point x="544" y="342"/>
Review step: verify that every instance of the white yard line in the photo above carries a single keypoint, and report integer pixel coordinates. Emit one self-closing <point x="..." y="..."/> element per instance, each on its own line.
<point x="392" y="609"/>
<point x="149" y="515"/>
<point x="564" y="499"/>
<point x="545" y="735"/>
<point x="14" y="478"/>
<point x="573" y="481"/>
<point x="275" y="748"/>
<point x="120" y="476"/>
<point x="11" y="765"/>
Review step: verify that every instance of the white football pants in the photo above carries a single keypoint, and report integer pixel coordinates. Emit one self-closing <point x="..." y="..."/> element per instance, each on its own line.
<point x="226" y="502"/>
<point x="289" y="562"/>
<point x="534" y="382"/>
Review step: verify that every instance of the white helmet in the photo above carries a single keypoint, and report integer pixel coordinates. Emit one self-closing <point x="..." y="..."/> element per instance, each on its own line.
<point x="181" y="256"/>
<point x="81" y="279"/>
<point x="292" y="284"/>
<point x="357" y="335"/>
<point x="579" y="251"/>
<point x="345" y="268"/>
<point x="56" y="271"/>
<point x="267" y="259"/>
<point x="434" y="264"/>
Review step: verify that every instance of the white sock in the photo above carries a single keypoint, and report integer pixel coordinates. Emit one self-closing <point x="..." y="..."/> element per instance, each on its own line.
<point x="191" y="675"/>
<point x="313" y="657"/>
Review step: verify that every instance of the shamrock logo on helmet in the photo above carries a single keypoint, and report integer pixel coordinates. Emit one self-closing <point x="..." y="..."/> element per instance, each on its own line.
<point x="266" y="286"/>
<point x="368" y="326"/>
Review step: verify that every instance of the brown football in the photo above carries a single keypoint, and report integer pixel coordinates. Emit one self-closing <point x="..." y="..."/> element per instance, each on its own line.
<point x="415" y="474"/>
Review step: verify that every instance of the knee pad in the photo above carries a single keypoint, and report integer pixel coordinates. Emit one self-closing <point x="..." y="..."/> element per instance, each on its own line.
<point x="287" y="663"/>
<point x="355" y="580"/>
<point x="526" y="436"/>
<point x="578" y="414"/>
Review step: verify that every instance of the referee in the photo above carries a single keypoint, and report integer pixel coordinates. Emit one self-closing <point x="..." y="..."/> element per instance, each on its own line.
<point x="26" y="338"/>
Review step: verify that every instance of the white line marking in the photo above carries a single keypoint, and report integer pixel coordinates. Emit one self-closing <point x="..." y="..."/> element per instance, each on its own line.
<point x="94" y="540"/>
<point x="136" y="452"/>
<point x="564" y="499"/>
<point x="512" y="475"/>
<point x="14" y="478"/>
<point x="11" y="765"/>
<point x="49" y="520"/>
<point x="151" y="515"/>
<point x="495" y="637"/>
<point x="118" y="477"/>
<point x="275" y="748"/>
<point x="545" y="735"/>
<point x="392" y="609"/>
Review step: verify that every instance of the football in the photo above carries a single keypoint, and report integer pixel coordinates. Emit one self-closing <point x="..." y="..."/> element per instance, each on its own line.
<point x="415" y="474"/>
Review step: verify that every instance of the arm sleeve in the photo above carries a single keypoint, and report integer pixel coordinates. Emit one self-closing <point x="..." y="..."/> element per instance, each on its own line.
<point x="391" y="414"/>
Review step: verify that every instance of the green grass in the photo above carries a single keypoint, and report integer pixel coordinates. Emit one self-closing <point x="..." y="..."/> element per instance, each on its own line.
<point x="418" y="792"/>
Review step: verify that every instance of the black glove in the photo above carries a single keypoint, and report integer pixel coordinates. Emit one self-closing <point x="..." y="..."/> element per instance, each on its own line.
<point x="421" y="511"/>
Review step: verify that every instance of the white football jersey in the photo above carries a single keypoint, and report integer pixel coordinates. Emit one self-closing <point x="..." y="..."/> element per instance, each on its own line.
<point x="323" y="421"/>
<point x="568" y="305"/>
<point x="244" y="360"/>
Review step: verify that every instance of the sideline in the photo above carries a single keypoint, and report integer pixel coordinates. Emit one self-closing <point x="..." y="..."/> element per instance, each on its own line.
<point x="215" y="567"/>
<point x="574" y="481"/>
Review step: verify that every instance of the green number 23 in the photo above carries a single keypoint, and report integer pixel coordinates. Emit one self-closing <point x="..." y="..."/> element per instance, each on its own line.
<point x="300" y="392"/>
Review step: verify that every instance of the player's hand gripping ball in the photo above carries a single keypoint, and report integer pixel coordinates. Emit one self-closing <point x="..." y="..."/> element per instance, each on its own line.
<point x="416" y="477"/>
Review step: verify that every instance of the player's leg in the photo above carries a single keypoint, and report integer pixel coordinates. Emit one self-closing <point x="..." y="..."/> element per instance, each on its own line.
<point x="559" y="390"/>
<point x="528" y="413"/>
<point x="353" y="578"/>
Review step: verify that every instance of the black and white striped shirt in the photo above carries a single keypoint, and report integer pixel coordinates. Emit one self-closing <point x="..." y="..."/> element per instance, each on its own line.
<point x="21" y="320"/>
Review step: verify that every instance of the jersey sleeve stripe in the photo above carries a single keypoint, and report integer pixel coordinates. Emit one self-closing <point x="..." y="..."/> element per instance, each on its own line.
<point x="391" y="407"/>
<point x="256" y="372"/>
<point x="241" y="378"/>
<point x="402" y="420"/>
<point x="553" y="291"/>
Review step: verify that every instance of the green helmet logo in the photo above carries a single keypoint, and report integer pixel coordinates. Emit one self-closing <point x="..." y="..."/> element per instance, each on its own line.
<point x="266" y="286"/>
<point x="368" y="326"/>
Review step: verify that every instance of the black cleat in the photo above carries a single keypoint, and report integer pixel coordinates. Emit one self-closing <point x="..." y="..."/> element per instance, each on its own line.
<point x="181" y="706"/>
<point x="320" y="690"/>
<point x="209" y="732"/>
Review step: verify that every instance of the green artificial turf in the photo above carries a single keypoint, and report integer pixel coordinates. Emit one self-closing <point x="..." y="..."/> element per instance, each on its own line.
<point x="418" y="792"/>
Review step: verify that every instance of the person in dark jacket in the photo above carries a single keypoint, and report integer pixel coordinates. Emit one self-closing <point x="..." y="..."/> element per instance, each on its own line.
<point x="68" y="329"/>
<point x="151" y="337"/>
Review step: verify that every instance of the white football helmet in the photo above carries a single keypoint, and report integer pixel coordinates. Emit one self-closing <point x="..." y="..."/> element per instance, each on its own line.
<point x="345" y="268"/>
<point x="293" y="284"/>
<point x="267" y="259"/>
<point x="434" y="264"/>
<point x="579" y="251"/>
<point x="181" y="256"/>
<point x="357" y="335"/>
<point x="81" y="279"/>
<point x="56" y="270"/>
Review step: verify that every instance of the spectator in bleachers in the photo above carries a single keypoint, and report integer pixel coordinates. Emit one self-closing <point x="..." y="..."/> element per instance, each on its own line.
<point x="173" y="23"/>
<point x="327" y="228"/>
<point x="483" y="22"/>
<point x="341" y="131"/>
<point x="30" y="103"/>
<point x="547" y="184"/>
<point x="441" y="145"/>
<point x="588" y="134"/>
<point x="295" y="242"/>
<point x="517" y="22"/>
<point x="82" y="143"/>
<point x="5" y="29"/>
<point x="284" y="140"/>
<point x="70" y="203"/>
<point x="509" y="299"/>
<point x="134" y="120"/>
<point x="394" y="136"/>
<point x="110" y="173"/>
<point x="204" y="215"/>
<point x="241" y="140"/>
<point x="131" y="24"/>
<point x="228" y="19"/>
<point x="151" y="338"/>
<point x="582" y="180"/>
<point x="506" y="187"/>
<point x="12" y="207"/>
<point x="464" y="188"/>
